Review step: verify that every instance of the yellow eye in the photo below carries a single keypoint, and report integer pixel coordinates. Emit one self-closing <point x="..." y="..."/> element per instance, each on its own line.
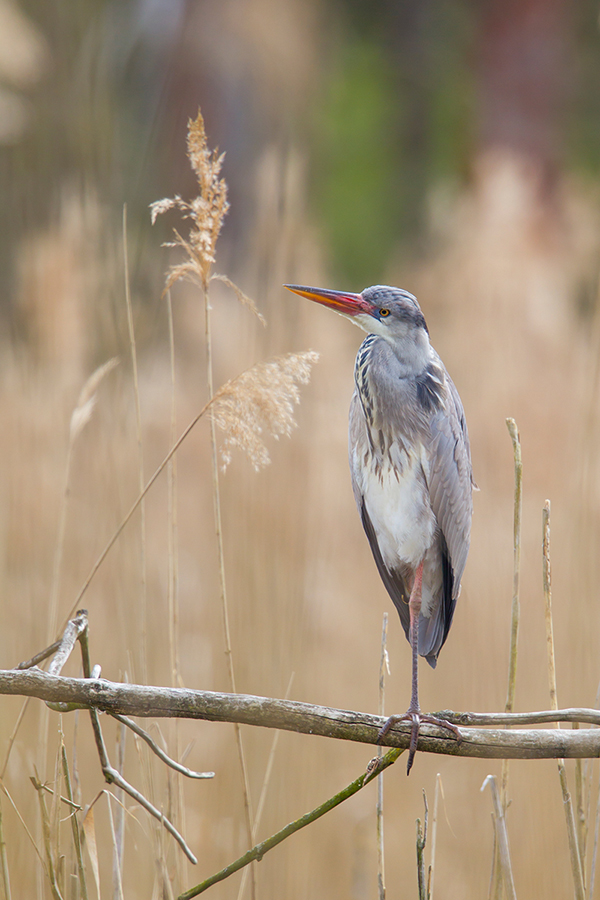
<point x="384" y="312"/>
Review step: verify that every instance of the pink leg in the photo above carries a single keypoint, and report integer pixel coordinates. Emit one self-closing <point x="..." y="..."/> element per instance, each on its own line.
<point x="413" y="714"/>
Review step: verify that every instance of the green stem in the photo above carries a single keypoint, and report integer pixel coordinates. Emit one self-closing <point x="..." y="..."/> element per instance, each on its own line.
<point x="257" y="852"/>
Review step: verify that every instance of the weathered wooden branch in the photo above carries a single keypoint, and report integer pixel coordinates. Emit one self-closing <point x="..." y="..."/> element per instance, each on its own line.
<point x="162" y="702"/>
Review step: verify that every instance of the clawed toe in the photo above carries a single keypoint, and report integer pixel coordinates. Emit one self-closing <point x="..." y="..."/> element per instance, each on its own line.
<point x="416" y="718"/>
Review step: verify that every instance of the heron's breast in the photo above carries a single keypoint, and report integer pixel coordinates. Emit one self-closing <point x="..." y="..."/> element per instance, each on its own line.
<point x="397" y="500"/>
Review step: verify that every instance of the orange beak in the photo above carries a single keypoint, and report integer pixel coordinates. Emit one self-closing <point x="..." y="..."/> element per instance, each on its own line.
<point x="341" y="301"/>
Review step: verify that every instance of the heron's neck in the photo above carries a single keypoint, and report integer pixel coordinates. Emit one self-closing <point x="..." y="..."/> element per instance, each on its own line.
<point x="414" y="355"/>
<point x="398" y="388"/>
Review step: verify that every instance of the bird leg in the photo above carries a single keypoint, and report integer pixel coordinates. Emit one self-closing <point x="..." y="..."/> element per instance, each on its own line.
<point x="413" y="714"/>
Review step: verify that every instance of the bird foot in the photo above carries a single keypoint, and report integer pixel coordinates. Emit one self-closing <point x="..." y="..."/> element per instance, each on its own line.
<point x="415" y="716"/>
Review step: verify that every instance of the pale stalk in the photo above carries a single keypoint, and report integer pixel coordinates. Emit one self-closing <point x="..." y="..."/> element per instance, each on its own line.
<point x="173" y="590"/>
<point x="504" y="867"/>
<point x="574" y="851"/>
<point x="438" y="788"/>
<point x="138" y="428"/>
<point x="514" y="626"/>
<point x="223" y="586"/>
<point x="515" y="612"/>
<point x="118" y="883"/>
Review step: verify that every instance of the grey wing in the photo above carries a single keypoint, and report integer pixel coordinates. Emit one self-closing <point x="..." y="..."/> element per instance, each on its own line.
<point x="395" y="581"/>
<point x="450" y="481"/>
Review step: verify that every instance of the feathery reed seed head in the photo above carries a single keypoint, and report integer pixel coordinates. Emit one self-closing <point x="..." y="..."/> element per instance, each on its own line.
<point x="260" y="400"/>
<point x="206" y="211"/>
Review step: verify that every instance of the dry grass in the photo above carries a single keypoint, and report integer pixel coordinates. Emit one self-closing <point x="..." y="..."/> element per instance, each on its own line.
<point x="304" y="594"/>
<point x="260" y="401"/>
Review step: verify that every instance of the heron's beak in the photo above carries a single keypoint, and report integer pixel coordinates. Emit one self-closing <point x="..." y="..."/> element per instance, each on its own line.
<point x="341" y="301"/>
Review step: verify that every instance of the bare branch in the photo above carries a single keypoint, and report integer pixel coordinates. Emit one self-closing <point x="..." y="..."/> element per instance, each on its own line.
<point x="40" y="657"/>
<point x="590" y="716"/>
<point x="71" y="634"/>
<point x="183" y="770"/>
<point x="162" y="702"/>
<point x="111" y="775"/>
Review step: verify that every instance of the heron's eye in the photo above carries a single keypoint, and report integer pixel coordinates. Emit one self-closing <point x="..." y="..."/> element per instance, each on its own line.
<point x="384" y="312"/>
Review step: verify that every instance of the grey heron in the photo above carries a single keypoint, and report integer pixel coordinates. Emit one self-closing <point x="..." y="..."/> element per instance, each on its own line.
<point x="410" y="463"/>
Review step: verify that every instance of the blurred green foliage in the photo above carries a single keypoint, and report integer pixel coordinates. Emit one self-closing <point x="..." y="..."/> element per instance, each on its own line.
<point x="394" y="109"/>
<point x="395" y="116"/>
<point x="355" y="195"/>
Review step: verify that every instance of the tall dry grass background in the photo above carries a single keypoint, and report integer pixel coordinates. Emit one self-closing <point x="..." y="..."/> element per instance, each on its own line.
<point x="499" y="288"/>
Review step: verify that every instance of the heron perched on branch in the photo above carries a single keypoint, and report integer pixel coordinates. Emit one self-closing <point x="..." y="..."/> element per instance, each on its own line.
<point x="411" y="470"/>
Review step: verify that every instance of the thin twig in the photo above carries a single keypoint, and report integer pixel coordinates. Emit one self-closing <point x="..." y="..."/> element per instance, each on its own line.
<point x="545" y="716"/>
<point x="502" y="839"/>
<point x="74" y="807"/>
<point x="375" y="766"/>
<point x="111" y="775"/>
<point x="574" y="850"/>
<point x="183" y="770"/>
<point x="40" y="657"/>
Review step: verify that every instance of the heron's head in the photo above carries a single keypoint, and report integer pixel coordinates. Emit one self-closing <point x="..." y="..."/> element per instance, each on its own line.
<point x="390" y="312"/>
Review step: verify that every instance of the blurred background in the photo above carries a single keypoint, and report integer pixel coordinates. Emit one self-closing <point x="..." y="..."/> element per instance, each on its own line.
<point x="451" y="148"/>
